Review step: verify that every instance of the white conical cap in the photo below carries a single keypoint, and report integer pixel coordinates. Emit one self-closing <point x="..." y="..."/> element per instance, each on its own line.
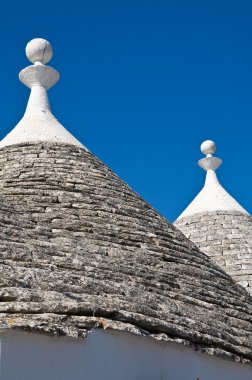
<point x="213" y="197"/>
<point x="38" y="123"/>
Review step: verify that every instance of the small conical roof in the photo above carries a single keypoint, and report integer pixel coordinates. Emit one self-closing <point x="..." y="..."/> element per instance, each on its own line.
<point x="213" y="197"/>
<point x="219" y="225"/>
<point x="81" y="250"/>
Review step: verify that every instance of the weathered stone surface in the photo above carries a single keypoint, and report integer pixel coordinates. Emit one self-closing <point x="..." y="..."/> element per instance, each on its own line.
<point x="80" y="250"/>
<point x="226" y="237"/>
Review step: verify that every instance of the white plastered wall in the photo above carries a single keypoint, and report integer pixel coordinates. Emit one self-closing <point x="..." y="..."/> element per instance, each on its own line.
<point x="107" y="355"/>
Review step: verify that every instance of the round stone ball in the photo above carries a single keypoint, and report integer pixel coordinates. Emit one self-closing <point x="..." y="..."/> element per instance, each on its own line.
<point x="208" y="147"/>
<point x="39" y="50"/>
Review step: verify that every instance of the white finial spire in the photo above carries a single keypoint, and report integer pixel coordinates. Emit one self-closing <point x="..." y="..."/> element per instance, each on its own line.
<point x="39" y="50"/>
<point x="38" y="124"/>
<point x="210" y="164"/>
<point x="213" y="197"/>
<point x="208" y="147"/>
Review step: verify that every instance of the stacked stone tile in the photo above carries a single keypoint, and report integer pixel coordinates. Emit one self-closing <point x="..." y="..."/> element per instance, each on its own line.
<point x="226" y="237"/>
<point x="80" y="250"/>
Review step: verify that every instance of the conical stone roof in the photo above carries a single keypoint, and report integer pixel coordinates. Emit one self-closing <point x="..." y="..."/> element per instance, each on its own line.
<point x="219" y="225"/>
<point x="80" y="250"/>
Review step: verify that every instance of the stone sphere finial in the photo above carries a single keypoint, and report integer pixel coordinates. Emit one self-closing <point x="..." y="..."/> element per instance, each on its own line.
<point x="208" y="147"/>
<point x="39" y="50"/>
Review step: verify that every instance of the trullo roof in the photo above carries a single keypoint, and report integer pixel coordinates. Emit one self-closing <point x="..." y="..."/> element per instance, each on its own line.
<point x="219" y="225"/>
<point x="80" y="250"/>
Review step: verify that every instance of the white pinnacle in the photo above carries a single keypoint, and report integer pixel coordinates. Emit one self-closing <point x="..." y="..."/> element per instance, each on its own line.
<point x="39" y="50"/>
<point x="213" y="197"/>
<point x="38" y="124"/>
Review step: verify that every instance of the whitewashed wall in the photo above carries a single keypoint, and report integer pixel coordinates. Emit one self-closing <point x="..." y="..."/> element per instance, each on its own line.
<point x="107" y="355"/>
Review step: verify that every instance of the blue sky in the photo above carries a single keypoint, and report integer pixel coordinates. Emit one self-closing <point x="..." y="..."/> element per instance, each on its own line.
<point x="143" y="83"/>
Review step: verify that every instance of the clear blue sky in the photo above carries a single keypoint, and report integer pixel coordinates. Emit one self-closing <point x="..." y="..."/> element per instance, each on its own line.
<point x="143" y="83"/>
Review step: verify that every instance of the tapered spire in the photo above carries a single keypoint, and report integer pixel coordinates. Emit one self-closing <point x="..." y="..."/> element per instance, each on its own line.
<point x="213" y="197"/>
<point x="38" y="123"/>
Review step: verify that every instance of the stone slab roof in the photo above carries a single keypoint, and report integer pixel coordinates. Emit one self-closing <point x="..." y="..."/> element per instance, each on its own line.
<point x="80" y="250"/>
<point x="226" y="237"/>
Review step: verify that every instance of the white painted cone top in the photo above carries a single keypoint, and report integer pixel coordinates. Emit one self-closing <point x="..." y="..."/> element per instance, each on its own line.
<point x="213" y="197"/>
<point x="38" y="123"/>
